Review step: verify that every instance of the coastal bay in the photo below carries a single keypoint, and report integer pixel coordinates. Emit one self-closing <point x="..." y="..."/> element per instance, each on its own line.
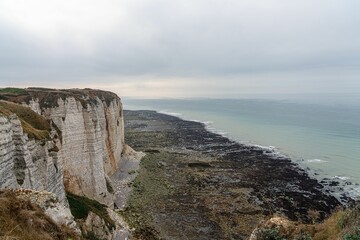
<point x="202" y="185"/>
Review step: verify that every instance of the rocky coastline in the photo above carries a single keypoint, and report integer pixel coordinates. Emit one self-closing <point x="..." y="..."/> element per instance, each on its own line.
<point x="202" y="185"/>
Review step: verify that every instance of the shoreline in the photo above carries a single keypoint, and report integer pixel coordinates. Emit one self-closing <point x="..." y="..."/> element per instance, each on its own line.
<point x="339" y="186"/>
<point x="218" y="181"/>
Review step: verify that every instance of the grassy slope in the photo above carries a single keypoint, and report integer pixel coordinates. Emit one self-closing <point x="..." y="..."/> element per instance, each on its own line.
<point x="19" y="219"/>
<point x="342" y="224"/>
<point x="33" y="124"/>
<point x="13" y="90"/>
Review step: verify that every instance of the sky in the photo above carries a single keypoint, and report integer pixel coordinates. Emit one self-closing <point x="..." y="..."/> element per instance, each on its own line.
<point x="182" y="48"/>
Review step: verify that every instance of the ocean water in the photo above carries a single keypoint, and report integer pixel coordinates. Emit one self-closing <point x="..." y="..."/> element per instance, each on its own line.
<point x="322" y="136"/>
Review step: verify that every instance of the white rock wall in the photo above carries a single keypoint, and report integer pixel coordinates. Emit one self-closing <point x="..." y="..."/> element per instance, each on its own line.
<point x="28" y="163"/>
<point x="80" y="160"/>
<point x="7" y="152"/>
<point x="92" y="142"/>
<point x="34" y="105"/>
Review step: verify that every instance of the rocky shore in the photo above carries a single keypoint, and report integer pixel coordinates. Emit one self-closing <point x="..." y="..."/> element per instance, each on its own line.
<point x="194" y="184"/>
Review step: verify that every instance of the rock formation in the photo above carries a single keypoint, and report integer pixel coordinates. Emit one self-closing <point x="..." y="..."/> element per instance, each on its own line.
<point x="28" y="162"/>
<point x="89" y="139"/>
<point x="63" y="141"/>
<point x="50" y="204"/>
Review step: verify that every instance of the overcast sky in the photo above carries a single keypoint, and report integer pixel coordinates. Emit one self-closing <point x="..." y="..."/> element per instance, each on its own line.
<point x="182" y="48"/>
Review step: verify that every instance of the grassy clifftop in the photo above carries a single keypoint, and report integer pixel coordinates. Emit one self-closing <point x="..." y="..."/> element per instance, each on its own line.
<point x="48" y="97"/>
<point x="35" y="125"/>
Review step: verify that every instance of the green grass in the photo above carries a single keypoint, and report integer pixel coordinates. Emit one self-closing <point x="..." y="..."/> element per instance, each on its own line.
<point x="342" y="224"/>
<point x="270" y="234"/>
<point x="13" y="90"/>
<point x="350" y="223"/>
<point x="149" y="188"/>
<point x="354" y="236"/>
<point x="81" y="206"/>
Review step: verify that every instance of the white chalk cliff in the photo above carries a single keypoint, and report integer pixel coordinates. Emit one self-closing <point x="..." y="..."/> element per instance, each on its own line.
<point x="91" y="132"/>
<point x="92" y="142"/>
<point x="28" y="163"/>
<point x="82" y="147"/>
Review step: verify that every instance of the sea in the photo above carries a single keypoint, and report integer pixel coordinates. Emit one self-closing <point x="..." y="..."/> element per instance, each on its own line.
<point x="320" y="133"/>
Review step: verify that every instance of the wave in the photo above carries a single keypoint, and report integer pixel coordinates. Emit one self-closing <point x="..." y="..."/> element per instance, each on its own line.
<point x="175" y="114"/>
<point x="354" y="192"/>
<point x="316" y="161"/>
<point x="344" y="178"/>
<point x="267" y="150"/>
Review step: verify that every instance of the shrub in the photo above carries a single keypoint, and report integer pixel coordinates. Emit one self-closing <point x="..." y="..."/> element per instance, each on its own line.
<point x="269" y="234"/>
<point x="302" y="236"/>
<point x="80" y="207"/>
<point x="352" y="237"/>
<point x="13" y="90"/>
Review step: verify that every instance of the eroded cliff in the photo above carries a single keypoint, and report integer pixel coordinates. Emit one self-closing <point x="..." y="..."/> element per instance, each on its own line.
<point x="83" y="147"/>
<point x="29" y="156"/>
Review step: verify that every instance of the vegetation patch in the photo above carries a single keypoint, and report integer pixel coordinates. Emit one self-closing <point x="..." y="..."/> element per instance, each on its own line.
<point x="81" y="206"/>
<point x="350" y="223"/>
<point x="109" y="186"/>
<point x="35" y="125"/>
<point x="13" y="90"/>
<point x="342" y="224"/>
<point x="18" y="95"/>
<point x="270" y="234"/>
<point x="48" y="97"/>
<point x="149" y="188"/>
<point x="20" y="219"/>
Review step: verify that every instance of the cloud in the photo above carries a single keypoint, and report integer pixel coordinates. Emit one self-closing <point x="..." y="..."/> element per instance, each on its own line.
<point x="235" y="46"/>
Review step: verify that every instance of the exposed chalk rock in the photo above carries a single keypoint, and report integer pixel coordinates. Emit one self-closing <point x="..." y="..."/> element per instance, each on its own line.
<point x="82" y="147"/>
<point x="28" y="163"/>
<point x="90" y="129"/>
<point x="92" y="143"/>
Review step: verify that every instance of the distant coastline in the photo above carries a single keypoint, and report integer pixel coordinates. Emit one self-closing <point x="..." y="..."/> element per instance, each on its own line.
<point x="336" y="185"/>
<point x="329" y="154"/>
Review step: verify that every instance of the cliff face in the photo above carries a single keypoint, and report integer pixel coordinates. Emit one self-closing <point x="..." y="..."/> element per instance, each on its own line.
<point x="28" y="162"/>
<point x="92" y="141"/>
<point x="84" y="146"/>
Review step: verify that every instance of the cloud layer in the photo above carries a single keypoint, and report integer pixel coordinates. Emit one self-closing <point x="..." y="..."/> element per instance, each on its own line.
<point x="182" y="48"/>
